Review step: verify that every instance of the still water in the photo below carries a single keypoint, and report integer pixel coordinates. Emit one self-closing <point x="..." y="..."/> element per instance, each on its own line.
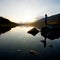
<point x="15" y="44"/>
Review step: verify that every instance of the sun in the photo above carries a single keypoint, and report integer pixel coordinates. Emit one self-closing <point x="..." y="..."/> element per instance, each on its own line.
<point x="23" y="18"/>
<point x="28" y="17"/>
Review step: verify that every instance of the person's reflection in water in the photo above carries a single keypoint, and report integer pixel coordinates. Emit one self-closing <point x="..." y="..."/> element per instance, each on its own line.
<point x="44" y="42"/>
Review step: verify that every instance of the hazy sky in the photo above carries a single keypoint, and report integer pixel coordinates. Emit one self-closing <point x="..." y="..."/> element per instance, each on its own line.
<point x="26" y="10"/>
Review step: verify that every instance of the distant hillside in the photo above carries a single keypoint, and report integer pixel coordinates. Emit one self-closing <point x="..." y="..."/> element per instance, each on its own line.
<point x="6" y="22"/>
<point x="54" y="19"/>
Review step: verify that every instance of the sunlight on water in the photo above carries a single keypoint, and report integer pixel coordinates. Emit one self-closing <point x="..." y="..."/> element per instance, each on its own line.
<point x="21" y="28"/>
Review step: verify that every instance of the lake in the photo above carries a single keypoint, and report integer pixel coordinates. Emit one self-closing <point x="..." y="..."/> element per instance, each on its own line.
<point x="16" y="44"/>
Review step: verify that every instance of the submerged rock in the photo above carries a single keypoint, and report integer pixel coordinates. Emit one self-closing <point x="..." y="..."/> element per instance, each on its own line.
<point x="33" y="52"/>
<point x="50" y="45"/>
<point x="18" y="50"/>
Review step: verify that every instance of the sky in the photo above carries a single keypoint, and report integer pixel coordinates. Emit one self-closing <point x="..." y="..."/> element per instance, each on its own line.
<point x="28" y="10"/>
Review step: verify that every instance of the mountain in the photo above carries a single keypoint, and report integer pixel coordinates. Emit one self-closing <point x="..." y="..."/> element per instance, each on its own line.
<point x="5" y="22"/>
<point x="54" y="19"/>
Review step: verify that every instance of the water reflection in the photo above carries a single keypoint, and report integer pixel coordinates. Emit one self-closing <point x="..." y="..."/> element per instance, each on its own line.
<point x="44" y="42"/>
<point x="51" y="32"/>
<point x="18" y="44"/>
<point x="4" y="29"/>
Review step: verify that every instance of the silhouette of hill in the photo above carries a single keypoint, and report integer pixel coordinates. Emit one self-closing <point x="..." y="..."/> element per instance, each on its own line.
<point x="6" y="22"/>
<point x="54" y="19"/>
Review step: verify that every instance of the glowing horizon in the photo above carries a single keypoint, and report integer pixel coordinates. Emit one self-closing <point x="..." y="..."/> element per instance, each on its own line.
<point x="27" y="10"/>
<point x="21" y="20"/>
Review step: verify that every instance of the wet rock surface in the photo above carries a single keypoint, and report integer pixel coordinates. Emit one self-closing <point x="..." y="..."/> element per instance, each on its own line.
<point x="33" y="52"/>
<point x="33" y="31"/>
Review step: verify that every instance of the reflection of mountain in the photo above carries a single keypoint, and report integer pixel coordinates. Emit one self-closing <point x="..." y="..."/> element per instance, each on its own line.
<point x="6" y="25"/>
<point x="4" y="29"/>
<point x="52" y="32"/>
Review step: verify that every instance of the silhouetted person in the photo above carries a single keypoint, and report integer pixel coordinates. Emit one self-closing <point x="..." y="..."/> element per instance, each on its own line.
<point x="45" y="19"/>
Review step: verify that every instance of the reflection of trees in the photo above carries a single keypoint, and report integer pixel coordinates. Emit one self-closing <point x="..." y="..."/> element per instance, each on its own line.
<point x="4" y="29"/>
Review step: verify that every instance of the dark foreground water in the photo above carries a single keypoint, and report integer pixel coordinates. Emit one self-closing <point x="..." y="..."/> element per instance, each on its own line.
<point x="16" y="43"/>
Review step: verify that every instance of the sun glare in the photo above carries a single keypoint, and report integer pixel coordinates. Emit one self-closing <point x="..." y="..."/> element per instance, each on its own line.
<point x="26" y="17"/>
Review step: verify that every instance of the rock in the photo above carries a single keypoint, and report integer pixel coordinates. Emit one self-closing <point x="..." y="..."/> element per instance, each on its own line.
<point x="50" y="45"/>
<point x="18" y="50"/>
<point x="33" y="52"/>
<point x="33" y="31"/>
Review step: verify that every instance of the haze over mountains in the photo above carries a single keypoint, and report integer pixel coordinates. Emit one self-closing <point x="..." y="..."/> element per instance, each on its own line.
<point x="54" y="19"/>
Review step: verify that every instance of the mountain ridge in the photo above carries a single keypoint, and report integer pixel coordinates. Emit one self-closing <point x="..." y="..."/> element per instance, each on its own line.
<point x="6" y="22"/>
<point x="54" y="19"/>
